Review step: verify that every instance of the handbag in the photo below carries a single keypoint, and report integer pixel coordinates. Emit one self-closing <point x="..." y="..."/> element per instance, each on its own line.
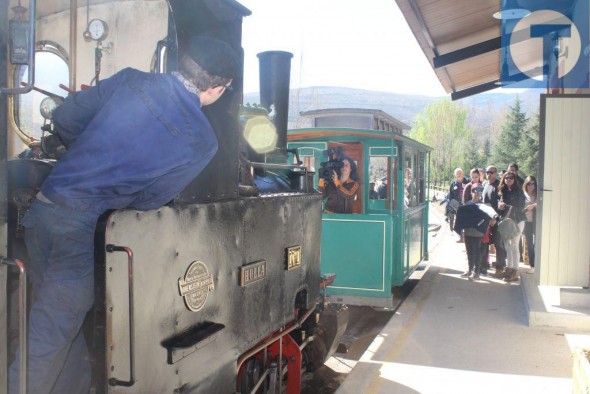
<point x="487" y="237"/>
<point x="507" y="228"/>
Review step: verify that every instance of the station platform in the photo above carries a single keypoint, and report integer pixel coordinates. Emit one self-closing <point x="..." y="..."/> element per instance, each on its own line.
<point x="455" y="335"/>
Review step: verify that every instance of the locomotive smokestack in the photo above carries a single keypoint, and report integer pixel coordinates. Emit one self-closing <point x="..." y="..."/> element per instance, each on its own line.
<point x="275" y="72"/>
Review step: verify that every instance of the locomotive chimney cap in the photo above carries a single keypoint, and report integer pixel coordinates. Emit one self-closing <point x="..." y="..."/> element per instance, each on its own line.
<point x="215" y="56"/>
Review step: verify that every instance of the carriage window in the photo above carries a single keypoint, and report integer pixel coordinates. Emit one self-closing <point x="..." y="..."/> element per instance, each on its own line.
<point x="409" y="180"/>
<point x="380" y="183"/>
<point x="51" y="69"/>
<point x="421" y="177"/>
<point x="414" y="178"/>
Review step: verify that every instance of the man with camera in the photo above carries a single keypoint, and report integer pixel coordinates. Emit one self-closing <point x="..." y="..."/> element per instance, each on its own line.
<point x="339" y="184"/>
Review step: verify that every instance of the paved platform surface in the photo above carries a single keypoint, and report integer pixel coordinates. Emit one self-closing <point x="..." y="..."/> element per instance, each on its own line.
<point x="455" y="335"/>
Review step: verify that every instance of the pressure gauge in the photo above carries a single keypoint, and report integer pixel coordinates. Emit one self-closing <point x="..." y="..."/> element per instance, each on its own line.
<point x="48" y="105"/>
<point x="98" y="29"/>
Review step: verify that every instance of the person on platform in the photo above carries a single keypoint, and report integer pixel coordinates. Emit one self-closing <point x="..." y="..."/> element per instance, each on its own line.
<point x="511" y="204"/>
<point x="514" y="168"/>
<point x="456" y="193"/>
<point x="475" y="178"/>
<point x="530" y="224"/>
<point x="473" y="219"/>
<point x="491" y="198"/>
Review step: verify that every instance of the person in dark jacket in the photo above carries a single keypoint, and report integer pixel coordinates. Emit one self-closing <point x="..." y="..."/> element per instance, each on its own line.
<point x="514" y="168"/>
<point x="491" y="198"/>
<point x="382" y="189"/>
<point x="511" y="205"/>
<point x="133" y="141"/>
<point x="340" y="191"/>
<point x="456" y="193"/>
<point x="473" y="219"/>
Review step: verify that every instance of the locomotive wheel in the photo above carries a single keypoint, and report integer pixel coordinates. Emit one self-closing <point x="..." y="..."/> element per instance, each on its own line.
<point x="314" y="354"/>
<point x="250" y="376"/>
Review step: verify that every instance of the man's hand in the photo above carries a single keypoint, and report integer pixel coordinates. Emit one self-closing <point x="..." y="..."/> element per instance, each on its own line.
<point x="52" y="146"/>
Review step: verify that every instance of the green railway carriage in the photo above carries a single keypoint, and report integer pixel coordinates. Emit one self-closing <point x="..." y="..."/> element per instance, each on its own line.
<point x="383" y="241"/>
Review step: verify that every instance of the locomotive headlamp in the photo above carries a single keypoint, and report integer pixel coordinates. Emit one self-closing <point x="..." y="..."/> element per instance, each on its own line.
<point x="261" y="134"/>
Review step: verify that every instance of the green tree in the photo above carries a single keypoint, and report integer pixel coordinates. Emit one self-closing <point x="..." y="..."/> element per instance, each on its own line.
<point x="507" y="145"/>
<point x="472" y="157"/>
<point x="486" y="155"/>
<point x="528" y="149"/>
<point x="442" y="125"/>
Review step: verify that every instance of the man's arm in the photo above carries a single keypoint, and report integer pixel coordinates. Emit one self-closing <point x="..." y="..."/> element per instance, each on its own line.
<point x="71" y="118"/>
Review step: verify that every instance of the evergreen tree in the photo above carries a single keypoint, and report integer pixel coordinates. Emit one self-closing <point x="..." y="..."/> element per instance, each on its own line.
<point x="472" y="157"/>
<point x="528" y="150"/>
<point x="507" y="145"/>
<point x="486" y="156"/>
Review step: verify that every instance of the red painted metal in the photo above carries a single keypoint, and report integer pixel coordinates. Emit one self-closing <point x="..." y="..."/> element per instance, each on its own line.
<point x="292" y="354"/>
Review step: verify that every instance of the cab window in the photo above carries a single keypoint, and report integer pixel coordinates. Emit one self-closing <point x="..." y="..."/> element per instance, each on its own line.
<point x="51" y="69"/>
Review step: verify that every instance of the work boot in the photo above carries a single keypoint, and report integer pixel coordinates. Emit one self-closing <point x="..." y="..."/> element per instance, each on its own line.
<point x="513" y="276"/>
<point x="499" y="273"/>
<point x="466" y="274"/>
<point x="508" y="272"/>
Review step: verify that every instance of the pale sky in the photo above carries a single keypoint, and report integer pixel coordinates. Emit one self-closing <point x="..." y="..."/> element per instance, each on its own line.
<point x="363" y="44"/>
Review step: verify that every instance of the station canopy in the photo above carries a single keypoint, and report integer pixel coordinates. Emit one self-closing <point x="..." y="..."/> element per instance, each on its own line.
<point x="462" y="41"/>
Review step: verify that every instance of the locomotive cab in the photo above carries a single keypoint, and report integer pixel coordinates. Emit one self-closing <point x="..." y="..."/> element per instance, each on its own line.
<point x="218" y="291"/>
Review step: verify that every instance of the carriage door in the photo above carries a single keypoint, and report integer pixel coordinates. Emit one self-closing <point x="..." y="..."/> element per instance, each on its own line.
<point x="354" y="150"/>
<point x="563" y="211"/>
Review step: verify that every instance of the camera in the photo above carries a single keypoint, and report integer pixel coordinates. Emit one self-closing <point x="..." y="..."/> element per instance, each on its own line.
<point x="334" y="163"/>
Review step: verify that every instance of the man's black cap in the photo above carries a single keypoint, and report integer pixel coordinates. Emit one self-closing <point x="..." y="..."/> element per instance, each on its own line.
<point x="215" y="56"/>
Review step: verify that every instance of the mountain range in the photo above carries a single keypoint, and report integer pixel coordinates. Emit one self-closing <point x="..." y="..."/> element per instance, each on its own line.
<point x="486" y="107"/>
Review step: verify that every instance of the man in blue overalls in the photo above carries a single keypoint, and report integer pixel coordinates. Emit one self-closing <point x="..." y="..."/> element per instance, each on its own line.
<point x="172" y="141"/>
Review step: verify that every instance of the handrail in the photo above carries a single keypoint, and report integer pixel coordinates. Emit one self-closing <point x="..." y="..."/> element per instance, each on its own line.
<point x="267" y="342"/>
<point x="22" y="325"/>
<point x="114" y="381"/>
<point x="277" y="166"/>
<point x="159" y="46"/>
<point x="31" y="60"/>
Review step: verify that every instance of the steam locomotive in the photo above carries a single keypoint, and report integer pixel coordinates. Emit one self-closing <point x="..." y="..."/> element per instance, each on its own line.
<point x="218" y="291"/>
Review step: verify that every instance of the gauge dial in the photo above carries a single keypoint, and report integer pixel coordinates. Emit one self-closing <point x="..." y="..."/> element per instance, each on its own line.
<point x="48" y="105"/>
<point x="98" y="29"/>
